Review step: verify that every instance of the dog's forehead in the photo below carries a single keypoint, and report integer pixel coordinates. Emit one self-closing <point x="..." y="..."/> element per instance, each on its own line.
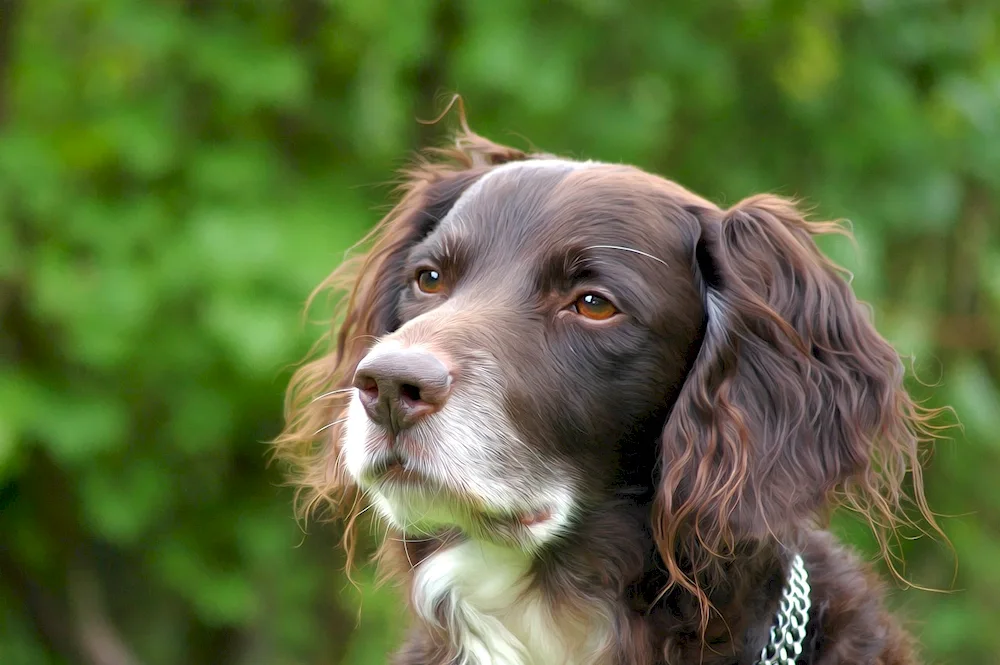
<point x="550" y="169"/>
<point x="552" y="206"/>
<point x="540" y="204"/>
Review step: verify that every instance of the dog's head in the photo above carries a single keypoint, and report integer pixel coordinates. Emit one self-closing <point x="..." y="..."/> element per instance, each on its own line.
<point x="529" y="339"/>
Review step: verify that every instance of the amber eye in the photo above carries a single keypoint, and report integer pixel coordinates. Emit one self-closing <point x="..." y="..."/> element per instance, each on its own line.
<point x="594" y="307"/>
<point x="429" y="281"/>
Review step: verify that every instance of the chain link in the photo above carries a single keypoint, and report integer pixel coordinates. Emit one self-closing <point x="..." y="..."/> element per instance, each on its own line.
<point x="788" y="632"/>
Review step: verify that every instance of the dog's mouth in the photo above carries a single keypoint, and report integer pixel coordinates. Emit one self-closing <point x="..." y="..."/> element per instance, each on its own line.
<point x="394" y="469"/>
<point x="516" y="526"/>
<point x="396" y="477"/>
<point x="535" y="517"/>
<point x="518" y="518"/>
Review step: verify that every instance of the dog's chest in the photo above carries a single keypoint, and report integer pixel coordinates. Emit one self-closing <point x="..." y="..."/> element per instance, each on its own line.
<point x="484" y="597"/>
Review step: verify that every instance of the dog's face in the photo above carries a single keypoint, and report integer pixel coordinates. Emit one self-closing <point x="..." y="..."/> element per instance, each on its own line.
<point x="529" y="339"/>
<point x="543" y="327"/>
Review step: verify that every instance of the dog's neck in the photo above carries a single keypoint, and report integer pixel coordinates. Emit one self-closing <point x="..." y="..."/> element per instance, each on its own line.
<point x="488" y="601"/>
<point x="594" y="600"/>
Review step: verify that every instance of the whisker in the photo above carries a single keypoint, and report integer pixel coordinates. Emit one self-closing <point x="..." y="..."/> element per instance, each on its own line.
<point x="412" y="540"/>
<point x="630" y="249"/>
<point x="329" y="425"/>
<point x="406" y="550"/>
<point x="331" y="394"/>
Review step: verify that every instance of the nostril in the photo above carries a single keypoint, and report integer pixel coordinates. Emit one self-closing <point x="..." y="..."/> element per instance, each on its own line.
<point x="410" y="392"/>
<point x="368" y="388"/>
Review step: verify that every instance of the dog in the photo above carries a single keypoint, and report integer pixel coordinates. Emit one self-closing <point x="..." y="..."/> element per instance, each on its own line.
<point x="605" y="421"/>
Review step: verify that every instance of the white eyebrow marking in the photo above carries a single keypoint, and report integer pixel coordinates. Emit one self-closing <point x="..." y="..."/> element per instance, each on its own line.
<point x="524" y="164"/>
<point x="629" y="249"/>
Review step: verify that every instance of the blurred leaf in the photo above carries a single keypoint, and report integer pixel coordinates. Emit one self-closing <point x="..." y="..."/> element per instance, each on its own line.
<point x="202" y="419"/>
<point x="977" y="400"/>
<point x="252" y="331"/>
<point x="247" y="70"/>
<point x="14" y="402"/>
<point x="9" y="446"/>
<point x="148" y="489"/>
<point x="814" y="60"/>
<point x="76" y="428"/>
<point x="220" y="596"/>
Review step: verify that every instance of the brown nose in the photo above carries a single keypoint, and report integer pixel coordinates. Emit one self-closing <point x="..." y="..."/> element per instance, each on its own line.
<point x="398" y="388"/>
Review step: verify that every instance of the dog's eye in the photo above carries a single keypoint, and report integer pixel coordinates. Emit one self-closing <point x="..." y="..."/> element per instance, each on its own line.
<point x="593" y="306"/>
<point x="430" y="281"/>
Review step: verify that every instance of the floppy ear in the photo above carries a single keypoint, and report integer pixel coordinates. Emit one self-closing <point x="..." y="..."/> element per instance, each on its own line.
<point x="793" y="397"/>
<point x="319" y="392"/>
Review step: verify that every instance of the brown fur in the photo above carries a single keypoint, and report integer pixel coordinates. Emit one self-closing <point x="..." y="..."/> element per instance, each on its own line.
<point x="779" y="401"/>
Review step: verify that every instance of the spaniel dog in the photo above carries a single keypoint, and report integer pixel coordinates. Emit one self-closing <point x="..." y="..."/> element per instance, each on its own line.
<point x="605" y="421"/>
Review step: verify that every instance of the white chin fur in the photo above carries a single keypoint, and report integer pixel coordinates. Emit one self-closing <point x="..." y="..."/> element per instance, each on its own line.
<point x="499" y="475"/>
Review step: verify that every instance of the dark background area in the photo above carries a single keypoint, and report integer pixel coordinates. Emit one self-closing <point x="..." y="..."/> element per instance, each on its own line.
<point x="175" y="177"/>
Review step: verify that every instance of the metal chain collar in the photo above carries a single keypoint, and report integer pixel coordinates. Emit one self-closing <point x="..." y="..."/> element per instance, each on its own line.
<point x="788" y="632"/>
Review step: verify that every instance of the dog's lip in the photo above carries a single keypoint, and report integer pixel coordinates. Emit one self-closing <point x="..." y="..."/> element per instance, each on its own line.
<point x="394" y="468"/>
<point x="521" y="519"/>
<point x="535" y="517"/>
<point x="396" y="471"/>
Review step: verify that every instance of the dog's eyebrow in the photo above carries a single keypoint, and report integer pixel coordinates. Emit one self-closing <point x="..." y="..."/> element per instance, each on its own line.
<point x="628" y="249"/>
<point x="447" y="248"/>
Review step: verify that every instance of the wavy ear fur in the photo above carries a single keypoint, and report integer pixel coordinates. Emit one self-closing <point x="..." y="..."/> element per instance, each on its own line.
<point x="794" y="398"/>
<point x="318" y="393"/>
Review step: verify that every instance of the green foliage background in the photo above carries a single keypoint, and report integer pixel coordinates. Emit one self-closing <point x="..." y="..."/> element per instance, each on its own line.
<point x="176" y="176"/>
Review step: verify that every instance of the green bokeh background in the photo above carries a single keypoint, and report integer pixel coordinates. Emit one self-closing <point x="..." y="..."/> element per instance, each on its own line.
<point x="176" y="176"/>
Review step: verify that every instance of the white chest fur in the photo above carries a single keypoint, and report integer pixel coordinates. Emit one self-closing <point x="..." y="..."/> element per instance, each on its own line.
<point x="496" y="617"/>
